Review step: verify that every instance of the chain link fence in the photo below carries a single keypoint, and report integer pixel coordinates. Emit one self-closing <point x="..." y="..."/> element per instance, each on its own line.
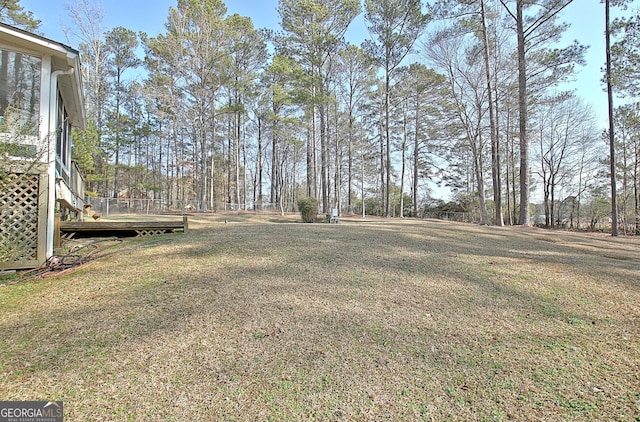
<point x="461" y="217"/>
<point x="115" y="206"/>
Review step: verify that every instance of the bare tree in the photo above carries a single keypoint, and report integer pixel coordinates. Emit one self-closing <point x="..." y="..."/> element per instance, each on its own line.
<point x="462" y="66"/>
<point x="562" y="127"/>
<point x="533" y="32"/>
<point x="87" y="30"/>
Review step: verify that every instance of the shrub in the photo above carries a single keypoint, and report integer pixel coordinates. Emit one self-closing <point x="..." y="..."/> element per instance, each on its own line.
<point x="308" y="209"/>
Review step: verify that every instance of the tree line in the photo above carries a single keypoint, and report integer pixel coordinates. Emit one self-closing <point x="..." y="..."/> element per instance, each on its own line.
<point x="463" y="95"/>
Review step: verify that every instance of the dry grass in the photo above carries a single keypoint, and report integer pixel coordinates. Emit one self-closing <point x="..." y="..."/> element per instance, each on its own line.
<point x="366" y="320"/>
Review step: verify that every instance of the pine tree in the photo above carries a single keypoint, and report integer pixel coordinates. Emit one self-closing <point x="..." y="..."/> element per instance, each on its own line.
<point x="552" y="65"/>
<point x="313" y="33"/>
<point x="12" y="13"/>
<point x="396" y="25"/>
<point x="120" y="46"/>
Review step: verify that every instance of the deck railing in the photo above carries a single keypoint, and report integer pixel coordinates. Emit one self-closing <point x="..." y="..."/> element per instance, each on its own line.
<point x="73" y="190"/>
<point x="77" y="181"/>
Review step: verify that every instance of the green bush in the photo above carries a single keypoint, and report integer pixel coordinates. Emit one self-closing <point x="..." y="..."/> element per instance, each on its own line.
<point x="308" y="209"/>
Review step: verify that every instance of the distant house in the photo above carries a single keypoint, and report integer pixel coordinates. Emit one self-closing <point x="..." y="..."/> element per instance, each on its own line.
<point x="40" y="101"/>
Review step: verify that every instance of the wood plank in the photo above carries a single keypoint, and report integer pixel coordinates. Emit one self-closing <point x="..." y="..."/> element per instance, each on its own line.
<point x="22" y="265"/>
<point x="120" y="228"/>
<point x="67" y="226"/>
<point x="43" y="209"/>
<point x="56" y="231"/>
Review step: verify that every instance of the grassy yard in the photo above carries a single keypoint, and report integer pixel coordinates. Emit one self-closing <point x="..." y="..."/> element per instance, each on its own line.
<point x="366" y="320"/>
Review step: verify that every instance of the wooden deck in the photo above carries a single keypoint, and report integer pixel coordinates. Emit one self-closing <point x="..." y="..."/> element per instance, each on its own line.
<point x="69" y="229"/>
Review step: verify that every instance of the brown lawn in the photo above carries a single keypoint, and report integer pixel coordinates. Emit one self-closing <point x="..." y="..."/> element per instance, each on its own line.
<point x="270" y="319"/>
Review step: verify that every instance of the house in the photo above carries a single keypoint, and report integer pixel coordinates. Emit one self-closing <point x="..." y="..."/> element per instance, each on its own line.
<point x="40" y="101"/>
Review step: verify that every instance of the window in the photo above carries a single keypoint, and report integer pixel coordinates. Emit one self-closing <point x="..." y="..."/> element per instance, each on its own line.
<point x="19" y="104"/>
<point x="19" y="93"/>
<point x="63" y="133"/>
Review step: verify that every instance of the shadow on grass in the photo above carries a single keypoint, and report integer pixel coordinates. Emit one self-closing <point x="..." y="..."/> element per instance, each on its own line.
<point x="393" y="308"/>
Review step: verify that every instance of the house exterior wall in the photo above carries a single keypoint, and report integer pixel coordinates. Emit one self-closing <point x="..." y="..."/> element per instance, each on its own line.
<point x="48" y="145"/>
<point x="23" y="213"/>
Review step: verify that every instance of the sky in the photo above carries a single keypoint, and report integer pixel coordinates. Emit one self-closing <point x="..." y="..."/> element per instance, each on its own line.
<point x="585" y="16"/>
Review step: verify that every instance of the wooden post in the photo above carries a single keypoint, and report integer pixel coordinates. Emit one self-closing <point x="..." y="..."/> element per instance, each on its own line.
<point x="185" y="221"/>
<point x="43" y="195"/>
<point x="56" y="231"/>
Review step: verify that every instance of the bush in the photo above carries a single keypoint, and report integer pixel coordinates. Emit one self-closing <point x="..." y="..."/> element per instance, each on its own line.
<point x="308" y="209"/>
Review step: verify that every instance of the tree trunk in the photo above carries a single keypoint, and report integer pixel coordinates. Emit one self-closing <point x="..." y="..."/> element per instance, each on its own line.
<point x="237" y="160"/>
<point x="636" y="197"/>
<point x="324" y="159"/>
<point x="364" y="208"/>
<point x="117" y="138"/>
<point x="244" y="168"/>
<point x="231" y="143"/>
<point x="203" y="164"/>
<point x="402" y="162"/>
<point x="477" y="164"/>
<point x="274" y="165"/>
<point x="350" y="158"/>
<point x="416" y="150"/>
<point x="525" y="215"/>
<point x="382" y="167"/>
<point x="495" y="146"/>
<point x="387" y="84"/>
<point x="612" y="168"/>
<point x="337" y="182"/>
<point x="257" y="197"/>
